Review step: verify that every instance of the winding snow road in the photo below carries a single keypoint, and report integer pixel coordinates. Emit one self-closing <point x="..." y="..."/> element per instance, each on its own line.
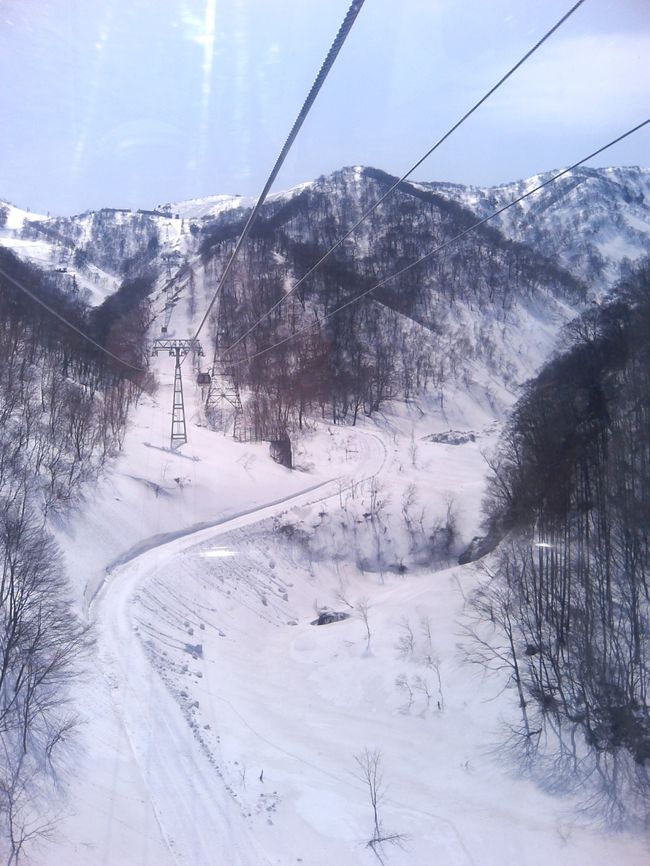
<point x="190" y="802"/>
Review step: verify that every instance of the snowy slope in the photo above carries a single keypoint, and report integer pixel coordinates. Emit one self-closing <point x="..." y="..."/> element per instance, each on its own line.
<point x="208" y="673"/>
<point x="209" y="206"/>
<point x="591" y="219"/>
<point x="221" y="727"/>
<point x="213" y="205"/>
<point x="30" y="237"/>
<point x="590" y="222"/>
<point x="90" y="252"/>
<point x="16" y="217"/>
<point x="37" y="252"/>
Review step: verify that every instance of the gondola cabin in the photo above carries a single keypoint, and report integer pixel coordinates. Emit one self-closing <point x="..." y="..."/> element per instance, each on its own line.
<point x="203" y="379"/>
<point x="163" y="330"/>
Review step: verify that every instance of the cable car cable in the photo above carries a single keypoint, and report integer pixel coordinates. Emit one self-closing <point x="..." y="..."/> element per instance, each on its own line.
<point x="473" y="227"/>
<point x="69" y="324"/>
<point x="440" y="141"/>
<point x="341" y="36"/>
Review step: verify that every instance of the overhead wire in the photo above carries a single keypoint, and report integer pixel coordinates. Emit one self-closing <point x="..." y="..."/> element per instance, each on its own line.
<point x="317" y="324"/>
<point x="60" y="237"/>
<point x="69" y="324"/>
<point x="337" y="44"/>
<point x="407" y="174"/>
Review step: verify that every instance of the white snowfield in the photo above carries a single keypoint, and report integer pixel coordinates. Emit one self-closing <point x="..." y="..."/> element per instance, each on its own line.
<point x="221" y="727"/>
<point x="93" y="283"/>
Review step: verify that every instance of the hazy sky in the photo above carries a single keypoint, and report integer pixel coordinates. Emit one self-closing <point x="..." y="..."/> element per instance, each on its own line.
<point x="139" y="102"/>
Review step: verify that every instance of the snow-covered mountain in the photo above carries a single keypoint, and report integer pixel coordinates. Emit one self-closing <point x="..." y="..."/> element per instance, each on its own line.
<point x="220" y="725"/>
<point x="590" y="221"/>
<point x="485" y="311"/>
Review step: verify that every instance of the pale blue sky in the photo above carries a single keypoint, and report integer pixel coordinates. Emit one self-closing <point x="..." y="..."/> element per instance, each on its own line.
<point x="139" y="102"/>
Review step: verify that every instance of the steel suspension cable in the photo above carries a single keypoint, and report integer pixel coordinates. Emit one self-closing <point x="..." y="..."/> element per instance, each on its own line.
<point x="69" y="324"/>
<point x="415" y="166"/>
<point x="316" y="325"/>
<point x="337" y="44"/>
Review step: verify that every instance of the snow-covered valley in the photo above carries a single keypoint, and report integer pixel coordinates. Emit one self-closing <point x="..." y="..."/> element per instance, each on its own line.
<point x="221" y="726"/>
<point x="219" y="723"/>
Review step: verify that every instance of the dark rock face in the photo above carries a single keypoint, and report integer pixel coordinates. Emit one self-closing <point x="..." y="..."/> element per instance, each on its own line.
<point x="328" y="616"/>
<point x="478" y="547"/>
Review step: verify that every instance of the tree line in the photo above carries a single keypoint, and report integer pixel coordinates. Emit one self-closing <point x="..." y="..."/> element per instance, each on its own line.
<point x="397" y="341"/>
<point x="63" y="410"/>
<point x="567" y="605"/>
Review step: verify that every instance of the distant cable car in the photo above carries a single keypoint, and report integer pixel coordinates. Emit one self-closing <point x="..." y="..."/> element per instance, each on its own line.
<point x="203" y="379"/>
<point x="163" y="330"/>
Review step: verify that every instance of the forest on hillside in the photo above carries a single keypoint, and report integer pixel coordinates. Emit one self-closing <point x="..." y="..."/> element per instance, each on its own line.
<point x="63" y="412"/>
<point x="339" y="357"/>
<point x="566" y="601"/>
<point x="565" y="604"/>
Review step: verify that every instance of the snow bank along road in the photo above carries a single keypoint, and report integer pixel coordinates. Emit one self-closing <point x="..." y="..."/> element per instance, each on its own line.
<point x="193" y="810"/>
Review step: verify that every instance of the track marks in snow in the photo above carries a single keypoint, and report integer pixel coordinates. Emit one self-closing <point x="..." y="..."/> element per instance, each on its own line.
<point x="183" y="787"/>
<point x="192" y="807"/>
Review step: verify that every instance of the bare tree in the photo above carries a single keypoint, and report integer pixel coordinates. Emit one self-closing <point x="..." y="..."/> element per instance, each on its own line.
<point x="431" y="658"/>
<point x="403" y="684"/>
<point x="362" y="608"/>
<point x="41" y="642"/>
<point x="413" y="449"/>
<point x="494" y="636"/>
<point x="421" y="684"/>
<point x="378" y="497"/>
<point x="406" y="641"/>
<point x="341" y="593"/>
<point x="370" y="773"/>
